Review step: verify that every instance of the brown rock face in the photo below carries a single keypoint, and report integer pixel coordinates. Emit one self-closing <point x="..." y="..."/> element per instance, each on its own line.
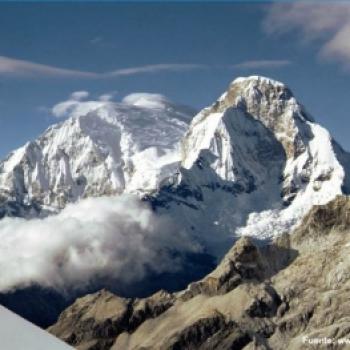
<point x="325" y="219"/>
<point x="279" y="296"/>
<point x="94" y="321"/>
<point x="242" y="263"/>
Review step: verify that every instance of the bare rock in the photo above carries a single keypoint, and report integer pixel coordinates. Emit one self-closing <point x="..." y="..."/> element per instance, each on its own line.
<point x="93" y="321"/>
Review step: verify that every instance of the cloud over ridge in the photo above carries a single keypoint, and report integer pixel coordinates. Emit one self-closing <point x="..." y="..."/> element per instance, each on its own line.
<point x="111" y="237"/>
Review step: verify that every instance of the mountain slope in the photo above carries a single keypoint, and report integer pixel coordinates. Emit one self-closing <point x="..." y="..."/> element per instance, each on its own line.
<point x="275" y="296"/>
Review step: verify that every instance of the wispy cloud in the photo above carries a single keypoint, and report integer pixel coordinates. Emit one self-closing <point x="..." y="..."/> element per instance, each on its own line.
<point x="79" y="95"/>
<point x="96" y="40"/>
<point x="155" y="68"/>
<point x="326" y="24"/>
<point x="21" y="68"/>
<point x="27" y="69"/>
<point x="256" y="64"/>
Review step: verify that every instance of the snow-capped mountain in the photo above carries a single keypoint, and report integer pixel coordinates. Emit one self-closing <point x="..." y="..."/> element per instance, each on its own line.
<point x="104" y="148"/>
<point x="253" y="163"/>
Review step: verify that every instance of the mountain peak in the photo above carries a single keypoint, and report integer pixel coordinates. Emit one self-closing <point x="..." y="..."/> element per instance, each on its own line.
<point x="259" y="95"/>
<point x="269" y="102"/>
<point x="258" y="79"/>
<point x="255" y="91"/>
<point x="257" y="143"/>
<point x="102" y="148"/>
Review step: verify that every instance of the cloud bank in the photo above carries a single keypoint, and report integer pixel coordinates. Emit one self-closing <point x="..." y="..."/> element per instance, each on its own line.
<point x="111" y="237"/>
<point x="328" y="24"/>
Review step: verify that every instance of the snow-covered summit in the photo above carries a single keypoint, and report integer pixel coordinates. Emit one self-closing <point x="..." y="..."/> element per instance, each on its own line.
<point x="255" y="162"/>
<point x="102" y="148"/>
<point x="266" y="101"/>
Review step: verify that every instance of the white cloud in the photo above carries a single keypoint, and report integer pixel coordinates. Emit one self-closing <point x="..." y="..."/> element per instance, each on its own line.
<point x="144" y="99"/>
<point x="107" y="237"/>
<point x="328" y="24"/>
<point x="62" y="109"/>
<point x="76" y="105"/>
<point x="256" y="64"/>
<point x="73" y="107"/>
<point x="79" y="95"/>
<point x="339" y="46"/>
<point x="108" y="96"/>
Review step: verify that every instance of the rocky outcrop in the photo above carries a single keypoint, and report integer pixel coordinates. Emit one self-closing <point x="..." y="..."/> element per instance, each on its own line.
<point x="324" y="219"/>
<point x="184" y="320"/>
<point x="276" y="296"/>
<point x="315" y="286"/>
<point x="243" y="262"/>
<point x="94" y="321"/>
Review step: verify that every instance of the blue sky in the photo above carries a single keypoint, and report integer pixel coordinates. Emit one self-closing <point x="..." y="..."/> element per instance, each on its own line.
<point x="186" y="51"/>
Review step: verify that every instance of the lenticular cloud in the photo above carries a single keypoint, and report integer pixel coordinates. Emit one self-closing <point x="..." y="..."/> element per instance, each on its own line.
<point x="107" y="237"/>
